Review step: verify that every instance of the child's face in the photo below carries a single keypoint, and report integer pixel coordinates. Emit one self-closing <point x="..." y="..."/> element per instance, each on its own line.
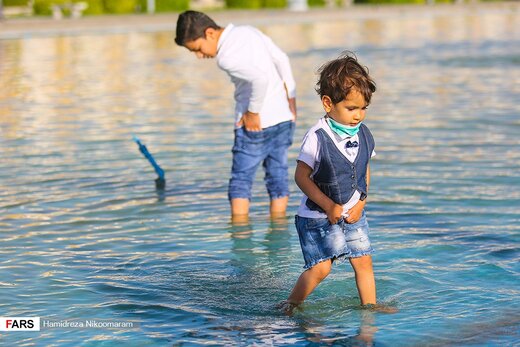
<point x="204" y="47"/>
<point x="350" y="111"/>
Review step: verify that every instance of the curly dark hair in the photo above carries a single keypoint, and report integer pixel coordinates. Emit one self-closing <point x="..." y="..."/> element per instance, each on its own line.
<point x="192" y="25"/>
<point x="339" y="76"/>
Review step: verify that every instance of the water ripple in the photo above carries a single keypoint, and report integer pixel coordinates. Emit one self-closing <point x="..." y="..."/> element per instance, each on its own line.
<point x="85" y="235"/>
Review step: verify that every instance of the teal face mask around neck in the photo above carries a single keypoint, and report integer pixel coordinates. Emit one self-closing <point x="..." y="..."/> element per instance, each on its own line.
<point x="343" y="131"/>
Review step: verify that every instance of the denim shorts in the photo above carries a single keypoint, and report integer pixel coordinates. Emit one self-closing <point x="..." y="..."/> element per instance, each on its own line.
<point x="321" y="240"/>
<point x="267" y="147"/>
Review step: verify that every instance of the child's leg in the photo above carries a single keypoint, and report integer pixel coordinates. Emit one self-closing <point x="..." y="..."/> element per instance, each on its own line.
<point x="308" y="281"/>
<point x="239" y="207"/>
<point x="247" y="156"/>
<point x="278" y="207"/>
<point x="365" y="281"/>
<point x="276" y="167"/>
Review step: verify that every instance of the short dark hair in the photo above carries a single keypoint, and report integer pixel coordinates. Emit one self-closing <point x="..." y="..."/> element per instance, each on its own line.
<point x="192" y="25"/>
<point x="339" y="76"/>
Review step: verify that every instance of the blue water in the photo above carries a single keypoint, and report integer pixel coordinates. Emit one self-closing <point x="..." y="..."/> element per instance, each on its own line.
<point x="85" y="235"/>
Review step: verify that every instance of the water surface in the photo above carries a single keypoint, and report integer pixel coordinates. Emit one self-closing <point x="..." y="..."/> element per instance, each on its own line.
<point x="86" y="236"/>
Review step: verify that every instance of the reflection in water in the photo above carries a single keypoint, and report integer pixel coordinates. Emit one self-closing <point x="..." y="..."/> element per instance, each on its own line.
<point x="252" y="256"/>
<point x="318" y="333"/>
<point x="86" y="235"/>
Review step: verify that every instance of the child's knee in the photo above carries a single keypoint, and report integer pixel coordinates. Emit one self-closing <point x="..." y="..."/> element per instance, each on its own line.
<point x="362" y="264"/>
<point x="322" y="269"/>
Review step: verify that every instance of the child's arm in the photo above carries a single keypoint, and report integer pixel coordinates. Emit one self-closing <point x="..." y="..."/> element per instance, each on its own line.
<point x="283" y="66"/>
<point x="354" y="214"/>
<point x="292" y="103"/>
<point x="302" y="176"/>
<point x="292" y="107"/>
<point x="240" y="67"/>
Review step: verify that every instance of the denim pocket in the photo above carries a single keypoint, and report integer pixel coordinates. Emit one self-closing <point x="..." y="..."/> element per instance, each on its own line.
<point x="317" y="223"/>
<point x="286" y="134"/>
<point x="320" y="229"/>
<point x="249" y="142"/>
<point x="254" y="136"/>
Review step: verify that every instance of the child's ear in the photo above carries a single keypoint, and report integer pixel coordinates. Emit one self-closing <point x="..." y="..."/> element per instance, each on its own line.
<point x="327" y="103"/>
<point x="209" y="33"/>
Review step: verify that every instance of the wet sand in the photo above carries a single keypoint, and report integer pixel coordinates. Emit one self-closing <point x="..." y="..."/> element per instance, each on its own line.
<point x="46" y="26"/>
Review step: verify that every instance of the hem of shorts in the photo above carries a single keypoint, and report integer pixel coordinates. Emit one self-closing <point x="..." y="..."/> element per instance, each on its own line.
<point x="361" y="254"/>
<point x="338" y="259"/>
<point x="239" y="197"/>
<point x="279" y="196"/>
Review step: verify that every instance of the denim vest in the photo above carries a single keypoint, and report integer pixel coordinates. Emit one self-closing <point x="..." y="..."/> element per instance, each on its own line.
<point x="336" y="176"/>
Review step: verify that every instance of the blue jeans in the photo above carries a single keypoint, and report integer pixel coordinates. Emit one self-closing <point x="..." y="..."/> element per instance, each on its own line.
<point x="322" y="241"/>
<point x="268" y="147"/>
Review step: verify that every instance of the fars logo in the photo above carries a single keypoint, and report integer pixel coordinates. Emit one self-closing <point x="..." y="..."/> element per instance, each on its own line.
<point x="19" y="323"/>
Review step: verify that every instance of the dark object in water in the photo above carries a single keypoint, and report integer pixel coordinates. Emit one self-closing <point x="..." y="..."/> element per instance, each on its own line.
<point x="160" y="182"/>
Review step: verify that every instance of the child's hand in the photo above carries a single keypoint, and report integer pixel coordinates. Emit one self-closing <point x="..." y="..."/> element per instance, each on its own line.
<point x="292" y="107"/>
<point x="250" y="121"/>
<point x="334" y="213"/>
<point x="354" y="214"/>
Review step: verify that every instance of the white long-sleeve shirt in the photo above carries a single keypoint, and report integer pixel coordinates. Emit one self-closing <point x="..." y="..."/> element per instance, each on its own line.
<point x="260" y="72"/>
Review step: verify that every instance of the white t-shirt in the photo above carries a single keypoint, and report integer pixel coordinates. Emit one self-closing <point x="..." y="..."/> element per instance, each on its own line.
<point x="309" y="154"/>
<point x="259" y="69"/>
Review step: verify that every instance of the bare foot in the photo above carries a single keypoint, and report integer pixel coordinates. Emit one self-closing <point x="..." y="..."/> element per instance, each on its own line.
<point x="286" y="307"/>
<point x="380" y="308"/>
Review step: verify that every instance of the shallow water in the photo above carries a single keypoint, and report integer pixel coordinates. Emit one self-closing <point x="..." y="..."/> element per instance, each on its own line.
<point x="86" y="236"/>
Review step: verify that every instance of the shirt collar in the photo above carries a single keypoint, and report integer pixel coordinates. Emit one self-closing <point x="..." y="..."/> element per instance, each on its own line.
<point x="224" y="35"/>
